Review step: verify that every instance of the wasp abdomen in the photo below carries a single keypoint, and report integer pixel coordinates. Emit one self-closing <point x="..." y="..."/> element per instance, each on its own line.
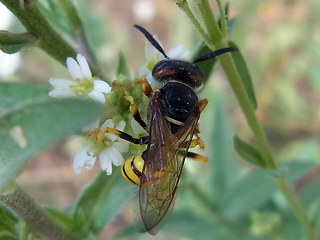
<point x="131" y="169"/>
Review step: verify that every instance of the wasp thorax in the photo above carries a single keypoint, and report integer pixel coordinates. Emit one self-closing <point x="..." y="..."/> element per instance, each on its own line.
<point x="179" y="100"/>
<point x="178" y="70"/>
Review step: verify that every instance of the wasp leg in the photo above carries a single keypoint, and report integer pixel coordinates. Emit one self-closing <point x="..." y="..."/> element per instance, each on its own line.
<point x="100" y="136"/>
<point x="194" y="156"/>
<point x="133" y="106"/>
<point x="202" y="104"/>
<point x="194" y="142"/>
<point x="147" y="89"/>
<point x="197" y="142"/>
<point x="135" y="112"/>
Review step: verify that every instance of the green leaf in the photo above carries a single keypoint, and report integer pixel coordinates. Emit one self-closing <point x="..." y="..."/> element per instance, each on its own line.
<point x="244" y="74"/>
<point x="182" y="223"/>
<point x="4" y="235"/>
<point x="14" y="93"/>
<point x="30" y="126"/>
<point x="223" y="165"/>
<point x="248" y="152"/>
<point x="12" y="48"/>
<point x="192" y="226"/>
<point x="247" y="194"/>
<point x="60" y="217"/>
<point x="101" y="201"/>
<point x="7" y="220"/>
<point x="205" y="66"/>
<point x="122" y="66"/>
<point x="14" y="42"/>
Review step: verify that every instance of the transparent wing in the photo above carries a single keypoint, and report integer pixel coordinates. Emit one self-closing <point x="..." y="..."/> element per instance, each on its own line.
<point x="163" y="165"/>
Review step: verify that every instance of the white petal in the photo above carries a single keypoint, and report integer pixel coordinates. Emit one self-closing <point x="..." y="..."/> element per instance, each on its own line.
<point x="149" y="52"/>
<point x="78" y="161"/>
<point x="61" y="83"/>
<point x="97" y="96"/>
<point x="144" y="71"/>
<point x="61" y="93"/>
<point x="153" y="83"/>
<point x="74" y="68"/>
<point x="175" y="51"/>
<point x="105" y="161"/>
<point x="121" y="145"/>
<point x="90" y="160"/>
<point x="84" y="66"/>
<point x="121" y="125"/>
<point x="109" y="123"/>
<point x="116" y="157"/>
<point x="184" y="55"/>
<point x="101" y="86"/>
<point x="83" y="157"/>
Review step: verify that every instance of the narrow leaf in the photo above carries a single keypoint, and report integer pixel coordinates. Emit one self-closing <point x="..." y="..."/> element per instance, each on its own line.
<point x="223" y="165"/>
<point x="244" y="74"/>
<point x="61" y="217"/>
<point x="248" y="152"/>
<point x="14" y="42"/>
<point x="249" y="192"/>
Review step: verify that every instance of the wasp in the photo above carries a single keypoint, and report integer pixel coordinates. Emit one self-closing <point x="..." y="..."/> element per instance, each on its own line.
<point x="172" y="119"/>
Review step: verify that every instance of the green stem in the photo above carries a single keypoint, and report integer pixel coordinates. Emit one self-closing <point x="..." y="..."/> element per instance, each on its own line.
<point x="235" y="82"/>
<point x="25" y="207"/>
<point x="47" y="38"/>
<point x="210" y="23"/>
<point x="223" y="20"/>
<point x="296" y="208"/>
<point x="185" y="7"/>
<point x="78" y="30"/>
<point x="7" y="38"/>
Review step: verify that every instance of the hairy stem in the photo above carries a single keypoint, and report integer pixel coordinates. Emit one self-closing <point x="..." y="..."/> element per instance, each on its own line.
<point x="7" y="38"/>
<point x="297" y="208"/>
<point x="185" y="7"/>
<point x="26" y="208"/>
<point x="209" y="21"/>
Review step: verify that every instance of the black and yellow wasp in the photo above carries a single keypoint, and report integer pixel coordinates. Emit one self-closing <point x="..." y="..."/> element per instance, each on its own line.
<point x="172" y="118"/>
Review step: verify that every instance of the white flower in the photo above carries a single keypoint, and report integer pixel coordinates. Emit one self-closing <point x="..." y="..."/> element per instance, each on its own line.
<point x="153" y="56"/>
<point x="82" y="84"/>
<point x="110" y="154"/>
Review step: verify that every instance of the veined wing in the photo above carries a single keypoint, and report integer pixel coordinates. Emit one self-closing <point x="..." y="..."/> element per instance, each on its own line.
<point x="164" y="159"/>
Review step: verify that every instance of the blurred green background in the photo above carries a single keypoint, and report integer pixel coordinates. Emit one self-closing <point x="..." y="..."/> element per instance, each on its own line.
<point x="225" y="198"/>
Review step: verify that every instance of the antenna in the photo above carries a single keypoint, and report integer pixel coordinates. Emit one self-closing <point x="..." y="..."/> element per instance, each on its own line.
<point x="151" y="39"/>
<point x="215" y="53"/>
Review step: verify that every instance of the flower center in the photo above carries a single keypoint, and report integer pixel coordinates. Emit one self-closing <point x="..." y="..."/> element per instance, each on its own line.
<point x="83" y="87"/>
